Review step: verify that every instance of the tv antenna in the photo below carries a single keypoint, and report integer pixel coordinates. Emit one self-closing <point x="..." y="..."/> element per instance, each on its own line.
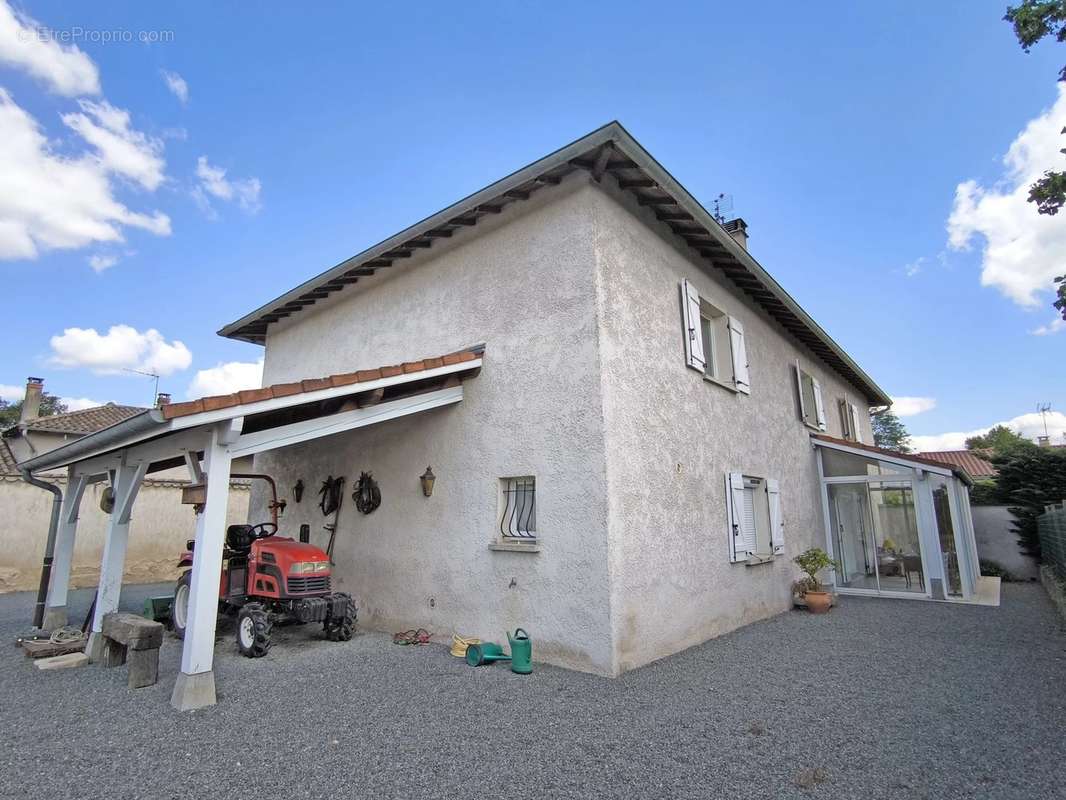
<point x="1042" y="410"/>
<point x="723" y="206"/>
<point x="155" y="392"/>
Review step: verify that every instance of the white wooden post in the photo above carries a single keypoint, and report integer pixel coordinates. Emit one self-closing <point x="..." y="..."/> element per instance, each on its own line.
<point x="126" y="482"/>
<point x="195" y="687"/>
<point x="55" y="614"/>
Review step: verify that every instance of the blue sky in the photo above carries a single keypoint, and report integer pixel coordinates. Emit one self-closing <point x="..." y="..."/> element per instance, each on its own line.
<point x="842" y="130"/>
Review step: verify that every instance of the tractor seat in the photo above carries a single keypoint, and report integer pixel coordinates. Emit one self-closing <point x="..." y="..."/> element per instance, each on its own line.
<point x="239" y="538"/>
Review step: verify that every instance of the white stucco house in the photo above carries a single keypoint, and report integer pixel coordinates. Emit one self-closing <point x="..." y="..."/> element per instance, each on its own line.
<point x="633" y="427"/>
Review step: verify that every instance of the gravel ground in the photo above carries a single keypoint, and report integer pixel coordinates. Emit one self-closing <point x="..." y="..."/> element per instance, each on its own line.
<point x="879" y="699"/>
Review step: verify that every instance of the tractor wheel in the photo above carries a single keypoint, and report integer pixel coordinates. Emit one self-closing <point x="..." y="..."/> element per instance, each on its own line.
<point x="253" y="630"/>
<point x="341" y="629"/>
<point x="179" y="610"/>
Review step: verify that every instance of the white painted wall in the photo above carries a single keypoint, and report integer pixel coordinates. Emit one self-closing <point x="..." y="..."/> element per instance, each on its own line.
<point x="575" y="294"/>
<point x="672" y="437"/>
<point x="158" y="531"/>
<point x="523" y="283"/>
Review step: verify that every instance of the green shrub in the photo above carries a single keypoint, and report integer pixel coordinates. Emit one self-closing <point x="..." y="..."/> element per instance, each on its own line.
<point x="812" y="562"/>
<point x="994" y="569"/>
<point x="986" y="493"/>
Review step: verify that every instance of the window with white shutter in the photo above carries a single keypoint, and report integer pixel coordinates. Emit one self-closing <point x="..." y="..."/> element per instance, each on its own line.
<point x="811" y="402"/>
<point x="754" y="513"/>
<point x="714" y="341"/>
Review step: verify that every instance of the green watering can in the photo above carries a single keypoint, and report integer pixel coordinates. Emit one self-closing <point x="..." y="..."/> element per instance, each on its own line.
<point x="485" y="653"/>
<point x="521" y="652"/>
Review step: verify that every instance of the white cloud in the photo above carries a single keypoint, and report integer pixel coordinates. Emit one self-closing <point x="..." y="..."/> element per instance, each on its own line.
<point x="11" y="394"/>
<point x="120" y="148"/>
<point x="914" y="267"/>
<point x="213" y="181"/>
<point x="50" y="201"/>
<point x="1028" y="425"/>
<point x="226" y="378"/>
<point x="1056" y="325"/>
<point x="25" y="45"/>
<point x="79" y="403"/>
<point x="909" y="406"/>
<point x="122" y="347"/>
<point x="1023" y="250"/>
<point x="177" y="85"/>
<point x="99" y="262"/>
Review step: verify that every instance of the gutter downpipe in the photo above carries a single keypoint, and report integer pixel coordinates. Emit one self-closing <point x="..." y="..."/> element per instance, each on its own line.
<point x="50" y="546"/>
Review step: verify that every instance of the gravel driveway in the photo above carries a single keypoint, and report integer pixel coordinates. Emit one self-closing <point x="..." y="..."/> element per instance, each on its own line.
<point x="879" y="699"/>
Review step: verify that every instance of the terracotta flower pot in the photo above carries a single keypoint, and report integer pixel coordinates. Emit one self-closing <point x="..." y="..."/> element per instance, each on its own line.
<point x="818" y="602"/>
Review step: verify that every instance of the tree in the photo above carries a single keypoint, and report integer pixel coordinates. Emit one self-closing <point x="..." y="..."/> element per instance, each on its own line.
<point x="1000" y="439"/>
<point x="889" y="432"/>
<point x="1030" y="478"/>
<point x="1032" y="21"/>
<point x="10" y="412"/>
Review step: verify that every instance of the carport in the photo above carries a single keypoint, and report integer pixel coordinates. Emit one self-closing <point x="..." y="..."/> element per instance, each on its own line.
<point x="205" y="435"/>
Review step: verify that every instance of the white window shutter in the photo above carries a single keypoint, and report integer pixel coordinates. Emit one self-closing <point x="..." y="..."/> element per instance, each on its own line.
<point x="799" y="389"/>
<point x="819" y="404"/>
<point x="690" y="303"/>
<point x="777" y="526"/>
<point x="737" y="534"/>
<point x="740" y="356"/>
<point x="847" y="428"/>
<point x="856" y="428"/>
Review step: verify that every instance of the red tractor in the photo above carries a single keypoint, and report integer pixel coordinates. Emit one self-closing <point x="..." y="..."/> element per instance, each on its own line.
<point x="268" y="579"/>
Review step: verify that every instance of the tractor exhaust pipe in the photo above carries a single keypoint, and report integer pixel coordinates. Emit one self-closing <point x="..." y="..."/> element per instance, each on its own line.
<point x="50" y="545"/>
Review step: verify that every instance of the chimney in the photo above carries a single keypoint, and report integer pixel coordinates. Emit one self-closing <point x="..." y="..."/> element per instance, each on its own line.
<point x="31" y="402"/>
<point x="162" y="399"/>
<point x="738" y="229"/>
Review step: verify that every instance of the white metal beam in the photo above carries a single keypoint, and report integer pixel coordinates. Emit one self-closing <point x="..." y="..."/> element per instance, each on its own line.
<point x="59" y="582"/>
<point x="125" y="484"/>
<point x="274" y="404"/>
<point x="899" y="461"/>
<point x="286" y="435"/>
<point x="195" y="687"/>
<point x="172" y="446"/>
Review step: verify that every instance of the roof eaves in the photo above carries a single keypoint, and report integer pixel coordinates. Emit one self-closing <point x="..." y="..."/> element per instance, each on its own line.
<point x="758" y="283"/>
<point x="459" y="209"/>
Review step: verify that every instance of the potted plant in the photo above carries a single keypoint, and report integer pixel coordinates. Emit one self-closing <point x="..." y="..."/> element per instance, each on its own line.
<point x="814" y="595"/>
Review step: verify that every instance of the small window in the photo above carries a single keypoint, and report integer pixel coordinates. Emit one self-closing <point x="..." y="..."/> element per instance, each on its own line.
<point x="518" y="509"/>
<point x="718" y="364"/>
<point x="714" y="341"/>
<point x="755" y="527"/>
<point x="850" y="421"/>
<point x="811" y="404"/>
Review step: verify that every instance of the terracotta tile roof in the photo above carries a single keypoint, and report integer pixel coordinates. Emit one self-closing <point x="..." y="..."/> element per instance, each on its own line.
<point x="969" y="460"/>
<point x="921" y="458"/>
<point x="8" y="465"/>
<point x="88" y="420"/>
<point x="215" y="402"/>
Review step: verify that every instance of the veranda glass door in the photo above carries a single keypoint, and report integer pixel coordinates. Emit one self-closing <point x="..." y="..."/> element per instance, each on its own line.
<point x="875" y="536"/>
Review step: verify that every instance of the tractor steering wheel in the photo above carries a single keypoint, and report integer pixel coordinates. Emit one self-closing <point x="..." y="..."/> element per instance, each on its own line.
<point x="261" y="531"/>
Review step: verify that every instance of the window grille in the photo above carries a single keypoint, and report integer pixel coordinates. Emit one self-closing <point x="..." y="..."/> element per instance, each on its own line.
<point x="519" y="517"/>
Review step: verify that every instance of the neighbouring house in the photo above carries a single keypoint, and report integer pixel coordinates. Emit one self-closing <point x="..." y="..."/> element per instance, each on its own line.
<point x="162" y="525"/>
<point x="633" y="429"/>
<point x="975" y="462"/>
